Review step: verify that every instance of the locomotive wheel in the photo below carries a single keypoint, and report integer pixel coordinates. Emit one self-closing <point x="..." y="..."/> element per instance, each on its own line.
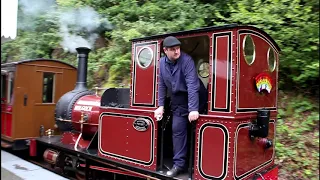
<point x="80" y="175"/>
<point x="80" y="172"/>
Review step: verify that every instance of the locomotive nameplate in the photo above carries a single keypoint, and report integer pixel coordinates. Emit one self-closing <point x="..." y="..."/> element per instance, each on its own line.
<point x="83" y="108"/>
<point x="141" y="124"/>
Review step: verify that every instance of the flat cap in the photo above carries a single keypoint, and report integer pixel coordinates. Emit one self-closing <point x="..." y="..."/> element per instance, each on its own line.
<point x="171" y="41"/>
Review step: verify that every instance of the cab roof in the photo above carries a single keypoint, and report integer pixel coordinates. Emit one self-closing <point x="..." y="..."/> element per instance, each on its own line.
<point x="206" y="29"/>
<point x="32" y="60"/>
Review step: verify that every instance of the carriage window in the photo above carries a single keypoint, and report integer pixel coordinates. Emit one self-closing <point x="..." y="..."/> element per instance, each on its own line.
<point x="203" y="69"/>
<point x="271" y="60"/>
<point x="48" y="87"/>
<point x="248" y="49"/>
<point x="145" y="57"/>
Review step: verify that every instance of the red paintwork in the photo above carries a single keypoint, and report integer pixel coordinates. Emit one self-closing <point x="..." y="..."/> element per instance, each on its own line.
<point x="33" y="148"/>
<point x="270" y="175"/>
<point x="88" y="101"/>
<point x="119" y="141"/>
<point x="144" y="79"/>
<point x="3" y="115"/>
<point x="6" y="115"/>
<point x="70" y="138"/>
<point x="9" y="122"/>
<point x="213" y="151"/>
<point x="124" y="144"/>
<point x="213" y="148"/>
<point x="6" y="119"/>
<point x="242" y="155"/>
<point x="222" y="70"/>
<point x="221" y="64"/>
<point x="249" y="97"/>
<point x="250" y="154"/>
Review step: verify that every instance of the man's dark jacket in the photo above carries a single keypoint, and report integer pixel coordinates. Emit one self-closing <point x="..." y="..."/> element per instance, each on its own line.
<point x="179" y="81"/>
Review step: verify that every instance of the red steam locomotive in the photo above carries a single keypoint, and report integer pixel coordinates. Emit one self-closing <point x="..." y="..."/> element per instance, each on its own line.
<point x="115" y="135"/>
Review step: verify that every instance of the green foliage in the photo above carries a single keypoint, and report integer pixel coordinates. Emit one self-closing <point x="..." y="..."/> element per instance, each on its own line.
<point x="295" y="27"/>
<point x="34" y="40"/>
<point x="293" y="24"/>
<point x="133" y="19"/>
<point x="297" y="146"/>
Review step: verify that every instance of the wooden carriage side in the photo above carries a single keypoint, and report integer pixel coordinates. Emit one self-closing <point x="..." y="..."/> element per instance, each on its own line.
<point x="36" y="86"/>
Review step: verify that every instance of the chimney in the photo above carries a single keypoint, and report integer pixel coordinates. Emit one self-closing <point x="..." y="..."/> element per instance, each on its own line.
<point x="83" y="54"/>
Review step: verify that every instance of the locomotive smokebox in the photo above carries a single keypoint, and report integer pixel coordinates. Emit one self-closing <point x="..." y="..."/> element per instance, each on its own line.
<point x="83" y="54"/>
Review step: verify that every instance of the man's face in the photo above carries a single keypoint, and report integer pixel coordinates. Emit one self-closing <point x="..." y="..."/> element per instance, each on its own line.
<point x="173" y="53"/>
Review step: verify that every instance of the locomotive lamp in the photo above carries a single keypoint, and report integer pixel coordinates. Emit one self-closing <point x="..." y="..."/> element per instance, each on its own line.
<point x="49" y="132"/>
<point x="264" y="143"/>
<point x="260" y="128"/>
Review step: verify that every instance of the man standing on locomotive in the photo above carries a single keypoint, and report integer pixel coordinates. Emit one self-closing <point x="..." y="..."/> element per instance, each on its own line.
<point x="178" y="77"/>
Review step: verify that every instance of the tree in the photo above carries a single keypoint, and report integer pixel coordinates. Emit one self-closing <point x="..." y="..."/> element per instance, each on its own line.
<point x="295" y="27"/>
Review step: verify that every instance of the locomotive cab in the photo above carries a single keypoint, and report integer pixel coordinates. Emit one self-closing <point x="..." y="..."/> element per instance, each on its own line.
<point x="237" y="65"/>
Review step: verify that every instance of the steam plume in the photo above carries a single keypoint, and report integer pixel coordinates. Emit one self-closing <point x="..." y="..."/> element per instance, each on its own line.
<point x="77" y="27"/>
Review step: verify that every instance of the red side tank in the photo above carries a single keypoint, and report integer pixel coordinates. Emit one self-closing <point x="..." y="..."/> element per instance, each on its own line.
<point x="88" y="106"/>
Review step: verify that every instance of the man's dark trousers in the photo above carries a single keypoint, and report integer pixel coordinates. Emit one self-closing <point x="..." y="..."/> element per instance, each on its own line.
<point x="179" y="139"/>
